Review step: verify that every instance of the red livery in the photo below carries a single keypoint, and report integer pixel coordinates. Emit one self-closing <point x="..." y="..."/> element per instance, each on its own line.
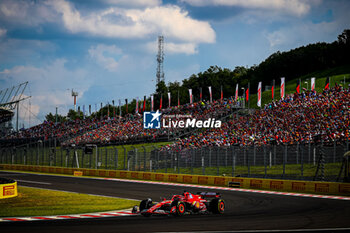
<point x="187" y="203"/>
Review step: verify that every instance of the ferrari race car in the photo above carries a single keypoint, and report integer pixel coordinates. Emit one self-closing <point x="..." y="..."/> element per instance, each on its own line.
<point x="187" y="203"/>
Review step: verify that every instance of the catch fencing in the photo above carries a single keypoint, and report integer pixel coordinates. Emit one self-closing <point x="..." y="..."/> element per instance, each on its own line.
<point x="310" y="161"/>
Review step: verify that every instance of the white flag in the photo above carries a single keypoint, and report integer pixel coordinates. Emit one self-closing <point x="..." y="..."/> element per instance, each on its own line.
<point x="259" y="95"/>
<point x="236" y="94"/>
<point x="211" y="98"/>
<point x="313" y="79"/>
<point x="152" y="103"/>
<point x="169" y="99"/>
<point x="190" y="92"/>
<point x="282" y="88"/>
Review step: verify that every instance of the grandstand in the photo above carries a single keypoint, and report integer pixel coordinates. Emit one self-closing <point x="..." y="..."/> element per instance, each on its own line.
<point x="9" y="101"/>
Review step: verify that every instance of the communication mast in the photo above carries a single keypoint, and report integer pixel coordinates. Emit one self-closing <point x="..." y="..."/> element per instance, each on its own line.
<point x="160" y="59"/>
<point x="75" y="94"/>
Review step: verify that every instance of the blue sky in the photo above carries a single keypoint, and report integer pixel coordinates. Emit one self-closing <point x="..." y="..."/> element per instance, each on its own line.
<point x="106" y="50"/>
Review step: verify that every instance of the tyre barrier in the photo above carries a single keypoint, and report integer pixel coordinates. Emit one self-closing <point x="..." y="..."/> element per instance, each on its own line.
<point x="8" y="188"/>
<point x="299" y="186"/>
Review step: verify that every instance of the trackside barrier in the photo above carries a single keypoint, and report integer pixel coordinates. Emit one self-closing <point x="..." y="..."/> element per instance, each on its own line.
<point x="239" y="182"/>
<point x="8" y="188"/>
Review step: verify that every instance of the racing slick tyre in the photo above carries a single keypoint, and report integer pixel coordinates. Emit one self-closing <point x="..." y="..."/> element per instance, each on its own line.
<point x="180" y="207"/>
<point x="217" y="206"/>
<point x="145" y="204"/>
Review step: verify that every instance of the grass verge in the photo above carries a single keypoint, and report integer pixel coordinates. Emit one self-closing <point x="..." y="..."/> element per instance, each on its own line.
<point x="43" y="202"/>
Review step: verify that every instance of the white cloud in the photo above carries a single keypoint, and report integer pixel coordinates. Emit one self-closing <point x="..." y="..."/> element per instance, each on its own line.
<point x="103" y="54"/>
<point x="295" y="7"/>
<point x="48" y="86"/>
<point x="303" y="33"/>
<point x="170" y="21"/>
<point x="134" y="3"/>
<point x="2" y="32"/>
<point x="26" y="12"/>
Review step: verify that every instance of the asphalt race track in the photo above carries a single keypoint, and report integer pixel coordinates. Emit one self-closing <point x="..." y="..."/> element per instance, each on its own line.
<point x="244" y="211"/>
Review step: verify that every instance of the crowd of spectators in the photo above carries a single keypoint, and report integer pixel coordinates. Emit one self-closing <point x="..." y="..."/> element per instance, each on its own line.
<point x="131" y="128"/>
<point x="49" y="129"/>
<point x="298" y="118"/>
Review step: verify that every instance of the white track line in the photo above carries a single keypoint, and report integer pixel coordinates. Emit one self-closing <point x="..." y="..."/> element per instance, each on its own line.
<point x="203" y="186"/>
<point x="34" y="182"/>
<point x="262" y="231"/>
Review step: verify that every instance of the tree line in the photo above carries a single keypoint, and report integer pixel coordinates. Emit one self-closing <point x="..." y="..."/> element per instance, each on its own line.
<point x="290" y="64"/>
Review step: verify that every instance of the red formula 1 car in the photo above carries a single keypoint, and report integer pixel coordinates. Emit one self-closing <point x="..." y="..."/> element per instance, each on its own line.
<point x="187" y="203"/>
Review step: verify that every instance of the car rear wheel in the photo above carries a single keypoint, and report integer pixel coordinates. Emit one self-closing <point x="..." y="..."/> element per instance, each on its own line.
<point x="217" y="206"/>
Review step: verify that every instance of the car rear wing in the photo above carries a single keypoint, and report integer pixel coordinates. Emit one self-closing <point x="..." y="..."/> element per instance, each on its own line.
<point x="209" y="194"/>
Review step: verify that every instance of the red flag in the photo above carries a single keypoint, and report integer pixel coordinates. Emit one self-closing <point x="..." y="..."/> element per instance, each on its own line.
<point x="144" y="103"/>
<point x="161" y="102"/>
<point x="222" y="94"/>
<point x="298" y="86"/>
<point x="273" y="90"/>
<point x="178" y="99"/>
<point x="200" y="94"/>
<point x="327" y="84"/>
<point x="247" y="94"/>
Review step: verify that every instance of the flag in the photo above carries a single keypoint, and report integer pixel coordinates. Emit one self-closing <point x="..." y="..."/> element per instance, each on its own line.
<point x="200" y="94"/>
<point x="313" y="81"/>
<point x="298" y="86"/>
<point x="247" y="93"/>
<point x="327" y="84"/>
<point x="120" y="108"/>
<point x="113" y="108"/>
<point x="161" y="102"/>
<point x="169" y="99"/>
<point x="236" y="93"/>
<point x="273" y="90"/>
<point x="222" y="94"/>
<point x="190" y="93"/>
<point x="259" y="94"/>
<point x="137" y="105"/>
<point x="178" y="99"/>
<point x="126" y="103"/>
<point x="144" y="103"/>
<point x="282" y="88"/>
<point x="210" y="94"/>
<point x="89" y="109"/>
<point x="152" y="103"/>
<point x="101" y="115"/>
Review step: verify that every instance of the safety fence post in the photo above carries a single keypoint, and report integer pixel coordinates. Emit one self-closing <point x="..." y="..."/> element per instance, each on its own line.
<point x="265" y="166"/>
<point x="248" y="162"/>
<point x="116" y="159"/>
<point x="334" y="149"/>
<point x="302" y="160"/>
<point x="309" y="147"/>
<point x="144" y="158"/>
<point x="284" y="160"/>
<point x="233" y="161"/>
<point x="202" y="160"/>
<point x="297" y="153"/>
<point x="217" y="162"/>
<point x="124" y="157"/>
<point x="254" y="154"/>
